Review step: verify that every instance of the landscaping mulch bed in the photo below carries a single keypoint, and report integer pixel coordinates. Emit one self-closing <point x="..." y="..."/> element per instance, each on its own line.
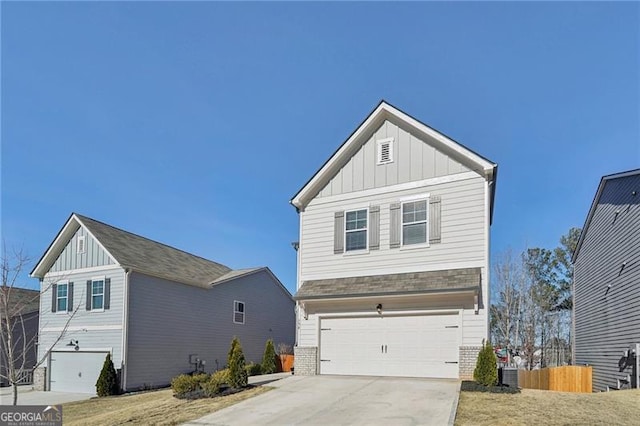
<point x="471" y="386"/>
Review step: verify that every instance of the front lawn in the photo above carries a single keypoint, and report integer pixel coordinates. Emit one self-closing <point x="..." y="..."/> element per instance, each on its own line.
<point x="156" y="407"/>
<point x="536" y="407"/>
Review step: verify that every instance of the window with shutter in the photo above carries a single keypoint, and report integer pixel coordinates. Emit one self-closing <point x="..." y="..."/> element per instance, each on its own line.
<point x="414" y="222"/>
<point x="62" y="297"/>
<point x="355" y="230"/>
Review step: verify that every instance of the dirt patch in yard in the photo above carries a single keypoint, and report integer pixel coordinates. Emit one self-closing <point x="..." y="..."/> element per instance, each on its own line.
<point x="149" y="408"/>
<point x="549" y="408"/>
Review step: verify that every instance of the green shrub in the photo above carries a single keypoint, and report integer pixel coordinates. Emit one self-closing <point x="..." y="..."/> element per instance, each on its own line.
<point x="269" y="365"/>
<point x="212" y="386"/>
<point x="253" y="369"/>
<point x="186" y="385"/>
<point x="486" y="371"/>
<point x="237" y="372"/>
<point x="107" y="383"/>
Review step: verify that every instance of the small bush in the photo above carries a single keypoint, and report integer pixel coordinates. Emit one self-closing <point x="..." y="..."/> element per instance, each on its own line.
<point x="107" y="383"/>
<point x="253" y="369"/>
<point x="187" y="386"/>
<point x="269" y="365"/>
<point x="486" y="371"/>
<point x="213" y="386"/>
<point x="237" y="372"/>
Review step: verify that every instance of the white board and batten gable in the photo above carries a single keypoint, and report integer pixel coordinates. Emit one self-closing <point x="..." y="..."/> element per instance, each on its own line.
<point x="397" y="218"/>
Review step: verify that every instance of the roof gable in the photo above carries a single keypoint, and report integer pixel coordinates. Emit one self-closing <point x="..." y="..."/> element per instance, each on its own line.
<point x="363" y="133"/>
<point x="596" y="201"/>
<point x="135" y="252"/>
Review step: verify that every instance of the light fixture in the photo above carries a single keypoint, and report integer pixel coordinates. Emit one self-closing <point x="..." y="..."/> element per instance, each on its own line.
<point x="74" y="344"/>
<point x="379" y="308"/>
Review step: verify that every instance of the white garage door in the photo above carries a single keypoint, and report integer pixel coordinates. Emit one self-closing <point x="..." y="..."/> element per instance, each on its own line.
<point x="75" y="371"/>
<point x="404" y="346"/>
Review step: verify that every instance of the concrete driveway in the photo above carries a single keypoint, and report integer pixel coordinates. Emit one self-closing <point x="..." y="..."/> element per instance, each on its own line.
<point x="27" y="396"/>
<point x="342" y="400"/>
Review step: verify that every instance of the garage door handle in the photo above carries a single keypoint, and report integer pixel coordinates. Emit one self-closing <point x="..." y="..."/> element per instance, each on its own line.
<point x="451" y="362"/>
<point x="325" y="360"/>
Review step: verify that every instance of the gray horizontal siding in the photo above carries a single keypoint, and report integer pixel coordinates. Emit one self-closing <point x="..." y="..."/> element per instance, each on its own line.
<point x="606" y="323"/>
<point x="93" y="322"/>
<point x="413" y="159"/>
<point x="168" y="321"/>
<point x="93" y="255"/>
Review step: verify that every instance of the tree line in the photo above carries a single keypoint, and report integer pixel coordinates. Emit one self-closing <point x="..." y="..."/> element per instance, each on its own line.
<point x="532" y="302"/>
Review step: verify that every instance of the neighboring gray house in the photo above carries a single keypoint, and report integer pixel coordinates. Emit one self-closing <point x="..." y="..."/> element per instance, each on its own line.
<point x="156" y="309"/>
<point x="23" y="305"/>
<point x="393" y="256"/>
<point x="606" y="282"/>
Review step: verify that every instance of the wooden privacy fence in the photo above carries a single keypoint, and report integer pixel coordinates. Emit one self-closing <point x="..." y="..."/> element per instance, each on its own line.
<point x="569" y="378"/>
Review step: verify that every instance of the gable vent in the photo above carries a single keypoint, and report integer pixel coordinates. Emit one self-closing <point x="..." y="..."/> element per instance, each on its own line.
<point x="80" y="248"/>
<point x="385" y="151"/>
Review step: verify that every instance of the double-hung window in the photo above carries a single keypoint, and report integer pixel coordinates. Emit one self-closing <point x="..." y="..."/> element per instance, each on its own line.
<point x="356" y="230"/>
<point x="238" y="312"/>
<point x="97" y="293"/>
<point x="62" y="297"/>
<point x="414" y="222"/>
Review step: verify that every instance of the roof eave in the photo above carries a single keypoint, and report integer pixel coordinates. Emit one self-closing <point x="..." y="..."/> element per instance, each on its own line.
<point x="471" y="290"/>
<point x="380" y="113"/>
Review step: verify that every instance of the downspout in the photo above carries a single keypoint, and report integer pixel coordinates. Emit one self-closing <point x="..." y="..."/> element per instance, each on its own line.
<point x="125" y="328"/>
<point x="487" y="297"/>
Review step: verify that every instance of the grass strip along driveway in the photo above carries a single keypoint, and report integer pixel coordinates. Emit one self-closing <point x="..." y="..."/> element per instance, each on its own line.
<point x="148" y="408"/>
<point x="536" y="407"/>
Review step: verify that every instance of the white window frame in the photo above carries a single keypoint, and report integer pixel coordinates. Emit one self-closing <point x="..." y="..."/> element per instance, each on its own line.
<point x="379" y="143"/>
<point x="104" y="283"/>
<point x="414" y="199"/>
<point x="81" y="245"/>
<point x="366" y="231"/>
<point x="235" y="311"/>
<point x="66" y="309"/>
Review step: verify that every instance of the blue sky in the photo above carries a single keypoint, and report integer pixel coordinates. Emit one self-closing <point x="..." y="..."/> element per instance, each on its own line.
<point x="194" y="124"/>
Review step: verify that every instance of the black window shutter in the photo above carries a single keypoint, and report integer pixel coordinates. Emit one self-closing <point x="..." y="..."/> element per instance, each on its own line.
<point x="374" y="227"/>
<point x="338" y="233"/>
<point x="70" y="297"/>
<point x="107" y="293"/>
<point x="435" y="219"/>
<point x="395" y="226"/>
<point x="88" y="304"/>
<point x="54" y="298"/>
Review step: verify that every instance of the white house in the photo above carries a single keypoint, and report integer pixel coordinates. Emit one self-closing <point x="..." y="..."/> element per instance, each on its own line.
<point x="393" y="254"/>
<point x="157" y="310"/>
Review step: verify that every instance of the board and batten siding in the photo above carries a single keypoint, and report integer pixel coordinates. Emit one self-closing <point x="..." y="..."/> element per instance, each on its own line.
<point x="168" y="321"/>
<point x="463" y="234"/>
<point x="413" y="160"/>
<point x="608" y="322"/>
<point x="93" y="255"/>
<point x="93" y="329"/>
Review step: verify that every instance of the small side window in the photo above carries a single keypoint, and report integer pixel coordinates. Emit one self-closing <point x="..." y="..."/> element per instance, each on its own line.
<point x="97" y="293"/>
<point x="62" y="297"/>
<point x="238" y="312"/>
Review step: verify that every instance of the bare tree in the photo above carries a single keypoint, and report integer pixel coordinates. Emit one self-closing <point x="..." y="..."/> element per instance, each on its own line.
<point x="15" y="342"/>
<point x="506" y="309"/>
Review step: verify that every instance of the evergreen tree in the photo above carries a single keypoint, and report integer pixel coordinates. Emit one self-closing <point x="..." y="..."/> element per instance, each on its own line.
<point x="269" y="365"/>
<point x="486" y="371"/>
<point x="238" y="377"/>
<point x="107" y="383"/>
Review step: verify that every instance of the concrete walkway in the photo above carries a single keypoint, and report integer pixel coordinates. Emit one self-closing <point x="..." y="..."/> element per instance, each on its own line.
<point x="28" y="396"/>
<point x="342" y="400"/>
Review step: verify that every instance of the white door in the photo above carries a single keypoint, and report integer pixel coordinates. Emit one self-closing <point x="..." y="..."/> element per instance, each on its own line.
<point x="403" y="346"/>
<point x="75" y="371"/>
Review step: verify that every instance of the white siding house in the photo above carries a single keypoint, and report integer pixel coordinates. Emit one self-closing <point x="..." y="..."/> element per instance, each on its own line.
<point x="154" y="308"/>
<point x="393" y="254"/>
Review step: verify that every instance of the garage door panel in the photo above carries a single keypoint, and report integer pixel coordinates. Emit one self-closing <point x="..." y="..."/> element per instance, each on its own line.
<point x="404" y="346"/>
<point x="75" y="371"/>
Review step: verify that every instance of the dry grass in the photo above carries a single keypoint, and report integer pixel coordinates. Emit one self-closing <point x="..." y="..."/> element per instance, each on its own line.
<point x="149" y="408"/>
<point x="536" y="407"/>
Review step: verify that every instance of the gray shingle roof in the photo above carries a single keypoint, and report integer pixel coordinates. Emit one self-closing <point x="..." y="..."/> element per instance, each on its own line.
<point x="450" y="280"/>
<point x="22" y="301"/>
<point x="154" y="258"/>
